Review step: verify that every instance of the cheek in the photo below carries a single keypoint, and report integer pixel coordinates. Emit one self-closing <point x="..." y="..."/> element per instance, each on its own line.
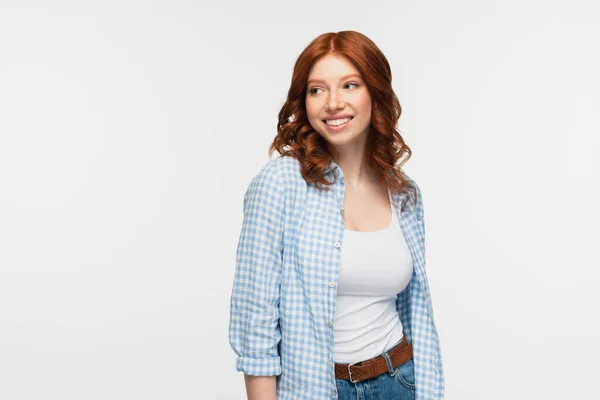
<point x="365" y="103"/>
<point x="311" y="111"/>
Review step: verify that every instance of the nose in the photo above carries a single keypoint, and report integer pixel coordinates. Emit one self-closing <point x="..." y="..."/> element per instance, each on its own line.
<point x="333" y="103"/>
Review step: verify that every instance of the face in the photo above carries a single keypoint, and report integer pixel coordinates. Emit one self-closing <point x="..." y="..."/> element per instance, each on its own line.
<point x="336" y="91"/>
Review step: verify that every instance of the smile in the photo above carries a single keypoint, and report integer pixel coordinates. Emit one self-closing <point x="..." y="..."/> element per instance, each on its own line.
<point x="337" y="124"/>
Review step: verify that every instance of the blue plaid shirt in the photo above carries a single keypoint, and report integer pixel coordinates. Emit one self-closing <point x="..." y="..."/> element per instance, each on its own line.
<point x="285" y="285"/>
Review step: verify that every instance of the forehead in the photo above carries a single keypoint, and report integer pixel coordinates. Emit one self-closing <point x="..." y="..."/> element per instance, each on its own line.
<point x="332" y="68"/>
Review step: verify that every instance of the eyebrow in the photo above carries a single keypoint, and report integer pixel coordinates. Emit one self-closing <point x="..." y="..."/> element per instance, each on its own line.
<point x="343" y="77"/>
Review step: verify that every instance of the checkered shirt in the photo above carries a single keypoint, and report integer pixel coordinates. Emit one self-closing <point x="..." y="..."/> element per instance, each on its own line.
<point x="283" y="299"/>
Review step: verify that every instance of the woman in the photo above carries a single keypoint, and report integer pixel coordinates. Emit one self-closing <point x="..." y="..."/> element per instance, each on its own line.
<point x="330" y="297"/>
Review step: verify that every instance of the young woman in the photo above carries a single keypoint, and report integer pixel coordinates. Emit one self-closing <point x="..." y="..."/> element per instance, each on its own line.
<point x="330" y="297"/>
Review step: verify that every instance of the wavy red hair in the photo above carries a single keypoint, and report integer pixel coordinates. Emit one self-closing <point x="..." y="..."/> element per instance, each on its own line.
<point x="386" y="150"/>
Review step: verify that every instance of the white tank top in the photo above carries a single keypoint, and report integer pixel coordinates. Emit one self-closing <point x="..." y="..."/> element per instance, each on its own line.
<point x="375" y="267"/>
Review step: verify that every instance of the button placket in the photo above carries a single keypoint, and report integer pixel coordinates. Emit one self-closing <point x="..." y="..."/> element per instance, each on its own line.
<point x="337" y="245"/>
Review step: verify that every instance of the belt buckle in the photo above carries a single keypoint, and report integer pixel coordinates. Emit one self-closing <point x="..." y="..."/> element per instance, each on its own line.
<point x="350" y="373"/>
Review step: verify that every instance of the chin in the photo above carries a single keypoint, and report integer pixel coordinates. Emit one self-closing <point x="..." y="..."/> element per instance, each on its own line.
<point x="340" y="140"/>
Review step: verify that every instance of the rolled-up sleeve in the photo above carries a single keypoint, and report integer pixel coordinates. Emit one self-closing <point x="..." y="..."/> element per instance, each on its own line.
<point x="254" y="331"/>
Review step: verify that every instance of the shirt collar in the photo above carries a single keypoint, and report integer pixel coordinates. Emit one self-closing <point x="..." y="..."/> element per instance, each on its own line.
<point x="402" y="197"/>
<point x="332" y="166"/>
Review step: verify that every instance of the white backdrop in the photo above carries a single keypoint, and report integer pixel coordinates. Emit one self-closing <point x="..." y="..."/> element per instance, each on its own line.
<point x="129" y="132"/>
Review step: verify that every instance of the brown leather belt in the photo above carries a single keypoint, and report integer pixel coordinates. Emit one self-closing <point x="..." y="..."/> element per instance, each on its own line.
<point x="376" y="366"/>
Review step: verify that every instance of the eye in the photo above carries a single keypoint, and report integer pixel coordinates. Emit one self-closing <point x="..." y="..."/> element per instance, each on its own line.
<point x="311" y="91"/>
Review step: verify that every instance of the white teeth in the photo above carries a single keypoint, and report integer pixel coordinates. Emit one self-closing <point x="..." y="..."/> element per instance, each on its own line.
<point x="337" y="122"/>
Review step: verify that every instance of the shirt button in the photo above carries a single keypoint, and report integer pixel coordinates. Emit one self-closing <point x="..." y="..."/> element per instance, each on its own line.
<point x="334" y="393"/>
<point x="337" y="245"/>
<point x="329" y="324"/>
<point x="331" y="284"/>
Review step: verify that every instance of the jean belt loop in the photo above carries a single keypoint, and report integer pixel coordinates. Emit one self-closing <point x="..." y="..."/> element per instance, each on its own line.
<point x="389" y="363"/>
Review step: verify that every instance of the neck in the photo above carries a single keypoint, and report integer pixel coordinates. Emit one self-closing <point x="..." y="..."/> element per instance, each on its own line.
<point x="354" y="164"/>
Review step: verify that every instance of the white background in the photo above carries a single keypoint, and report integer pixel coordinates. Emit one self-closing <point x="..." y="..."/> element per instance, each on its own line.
<point x="129" y="132"/>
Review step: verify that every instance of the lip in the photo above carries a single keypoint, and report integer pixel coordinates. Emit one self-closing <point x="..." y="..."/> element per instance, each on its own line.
<point x="338" y="128"/>
<point x="339" y="116"/>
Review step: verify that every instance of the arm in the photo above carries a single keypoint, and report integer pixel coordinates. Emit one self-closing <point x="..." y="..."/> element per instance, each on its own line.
<point x="261" y="387"/>
<point x="254" y="331"/>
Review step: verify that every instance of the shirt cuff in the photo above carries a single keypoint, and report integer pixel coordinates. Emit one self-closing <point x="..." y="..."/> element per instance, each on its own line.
<point x="259" y="366"/>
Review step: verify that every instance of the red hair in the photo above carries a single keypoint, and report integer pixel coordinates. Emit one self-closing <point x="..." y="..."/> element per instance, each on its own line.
<point x="386" y="150"/>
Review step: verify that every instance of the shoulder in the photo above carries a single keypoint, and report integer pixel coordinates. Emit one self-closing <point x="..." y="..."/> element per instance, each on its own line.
<point x="277" y="176"/>
<point x="409" y="179"/>
<point x="419" y="198"/>
<point x="286" y="170"/>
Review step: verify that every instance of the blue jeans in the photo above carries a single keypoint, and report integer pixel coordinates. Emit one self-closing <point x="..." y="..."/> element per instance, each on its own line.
<point x="401" y="386"/>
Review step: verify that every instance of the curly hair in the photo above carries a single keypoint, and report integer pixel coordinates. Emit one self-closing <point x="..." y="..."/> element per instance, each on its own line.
<point x="386" y="150"/>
